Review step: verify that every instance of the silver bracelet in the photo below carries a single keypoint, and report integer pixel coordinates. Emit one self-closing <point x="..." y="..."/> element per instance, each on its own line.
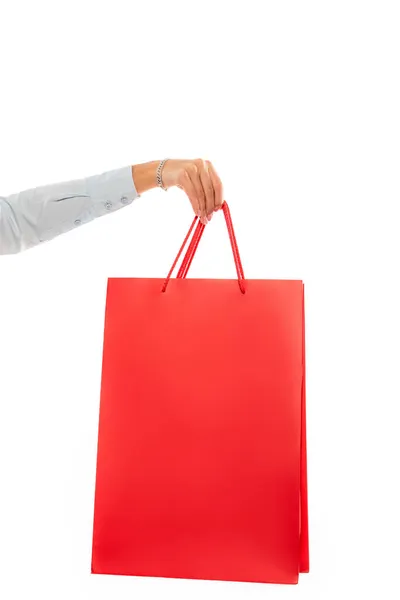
<point x="158" y="174"/>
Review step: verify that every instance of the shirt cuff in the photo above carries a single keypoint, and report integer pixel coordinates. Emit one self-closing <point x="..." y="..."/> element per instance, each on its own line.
<point x="111" y="190"/>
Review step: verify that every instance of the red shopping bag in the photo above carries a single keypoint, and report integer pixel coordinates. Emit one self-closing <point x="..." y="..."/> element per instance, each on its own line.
<point x="201" y="466"/>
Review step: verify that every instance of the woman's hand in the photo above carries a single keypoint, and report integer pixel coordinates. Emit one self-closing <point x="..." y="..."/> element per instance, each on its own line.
<point x="196" y="177"/>
<point x="199" y="180"/>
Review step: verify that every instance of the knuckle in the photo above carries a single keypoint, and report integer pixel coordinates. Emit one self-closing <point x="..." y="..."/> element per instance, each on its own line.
<point x="210" y="190"/>
<point x="183" y="177"/>
<point x="199" y="162"/>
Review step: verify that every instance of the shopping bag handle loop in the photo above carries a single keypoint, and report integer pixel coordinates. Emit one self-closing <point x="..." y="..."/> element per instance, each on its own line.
<point x="194" y="242"/>
<point x="187" y="261"/>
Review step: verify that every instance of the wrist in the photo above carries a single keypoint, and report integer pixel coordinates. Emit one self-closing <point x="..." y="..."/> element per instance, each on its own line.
<point x="145" y="175"/>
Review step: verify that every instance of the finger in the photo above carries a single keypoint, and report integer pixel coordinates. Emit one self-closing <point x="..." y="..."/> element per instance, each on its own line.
<point x="187" y="186"/>
<point x="208" y="188"/>
<point x="217" y="185"/>
<point x="195" y="179"/>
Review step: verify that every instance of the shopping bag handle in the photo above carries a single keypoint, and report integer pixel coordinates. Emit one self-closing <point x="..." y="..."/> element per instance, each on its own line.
<point x="187" y="260"/>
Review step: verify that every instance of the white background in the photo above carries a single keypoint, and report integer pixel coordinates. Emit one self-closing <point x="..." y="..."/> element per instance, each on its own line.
<point x="297" y="104"/>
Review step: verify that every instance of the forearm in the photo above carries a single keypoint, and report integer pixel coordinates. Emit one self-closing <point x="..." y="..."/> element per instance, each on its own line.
<point x="40" y="214"/>
<point x="144" y="176"/>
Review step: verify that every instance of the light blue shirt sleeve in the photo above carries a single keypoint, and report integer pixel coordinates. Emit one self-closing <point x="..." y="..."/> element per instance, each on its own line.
<point x="37" y="215"/>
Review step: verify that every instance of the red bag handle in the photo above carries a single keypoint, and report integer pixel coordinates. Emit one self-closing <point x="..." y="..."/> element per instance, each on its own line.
<point x="187" y="261"/>
<point x="195" y="242"/>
